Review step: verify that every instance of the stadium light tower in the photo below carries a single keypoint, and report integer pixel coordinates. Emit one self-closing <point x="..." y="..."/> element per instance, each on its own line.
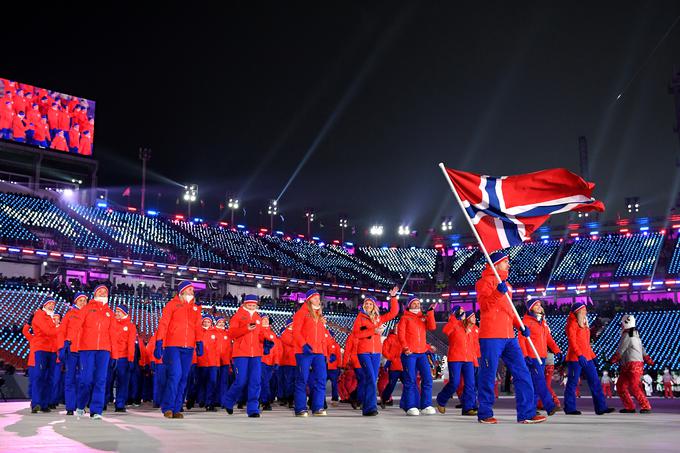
<point x="633" y="205"/>
<point x="190" y="196"/>
<point x="343" y="226"/>
<point x="272" y="210"/>
<point x="404" y="231"/>
<point x="309" y="214"/>
<point x="144" y="156"/>
<point x="233" y="205"/>
<point x="447" y="224"/>
<point x="376" y="231"/>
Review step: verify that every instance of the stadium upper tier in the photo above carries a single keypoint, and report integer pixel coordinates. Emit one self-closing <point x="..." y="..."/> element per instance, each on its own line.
<point x="30" y="221"/>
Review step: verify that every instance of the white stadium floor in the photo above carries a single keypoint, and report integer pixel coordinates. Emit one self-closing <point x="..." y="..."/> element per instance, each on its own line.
<point x="343" y="430"/>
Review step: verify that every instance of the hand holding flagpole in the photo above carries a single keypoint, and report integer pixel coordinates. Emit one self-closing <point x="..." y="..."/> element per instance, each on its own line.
<point x="488" y="258"/>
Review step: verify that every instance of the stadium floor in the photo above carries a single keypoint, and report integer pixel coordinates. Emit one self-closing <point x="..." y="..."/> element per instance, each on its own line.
<point x="145" y="430"/>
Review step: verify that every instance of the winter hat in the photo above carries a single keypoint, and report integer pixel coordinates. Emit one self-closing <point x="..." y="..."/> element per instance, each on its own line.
<point x="47" y="302"/>
<point x="455" y="309"/>
<point x="124" y="309"/>
<point x="78" y="296"/>
<point x="411" y="300"/>
<point x="99" y="288"/>
<point x="497" y="257"/>
<point x="184" y="285"/>
<point x="371" y="299"/>
<point x="469" y="313"/>
<point x="311" y="293"/>
<point x="530" y="304"/>
<point x="578" y="306"/>
<point x="206" y="316"/>
<point x="251" y="298"/>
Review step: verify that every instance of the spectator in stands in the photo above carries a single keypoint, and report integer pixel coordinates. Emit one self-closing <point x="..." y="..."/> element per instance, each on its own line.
<point x="632" y="357"/>
<point x="95" y="353"/>
<point x="45" y="333"/>
<point x="179" y="331"/>
<point x="580" y="357"/>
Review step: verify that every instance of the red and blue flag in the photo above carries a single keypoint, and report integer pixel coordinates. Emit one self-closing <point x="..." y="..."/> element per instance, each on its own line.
<point x="506" y="210"/>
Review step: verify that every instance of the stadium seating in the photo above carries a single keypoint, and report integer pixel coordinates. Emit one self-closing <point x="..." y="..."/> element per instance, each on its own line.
<point x="27" y="218"/>
<point x="403" y="261"/>
<point x="558" y="325"/>
<point x="528" y="261"/>
<point x="634" y="255"/>
<point x="674" y="266"/>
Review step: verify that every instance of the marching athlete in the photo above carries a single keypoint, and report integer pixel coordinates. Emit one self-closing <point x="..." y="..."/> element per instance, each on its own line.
<point x="631" y="357"/>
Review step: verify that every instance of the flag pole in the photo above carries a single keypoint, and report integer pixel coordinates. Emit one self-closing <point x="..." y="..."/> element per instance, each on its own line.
<point x="486" y="255"/>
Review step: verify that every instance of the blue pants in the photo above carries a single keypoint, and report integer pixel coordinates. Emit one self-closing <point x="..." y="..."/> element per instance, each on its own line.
<point x="508" y="349"/>
<point x="42" y="371"/>
<point x="57" y="384"/>
<point x="333" y="376"/>
<point x="223" y="384"/>
<point x="394" y="377"/>
<point x="207" y="381"/>
<point x="287" y="384"/>
<point x="416" y="363"/>
<point x="135" y="389"/>
<point x="540" y="388"/>
<point x="370" y="364"/>
<point x="456" y="369"/>
<point x="31" y="382"/>
<point x="160" y="377"/>
<point x="92" y="385"/>
<point x="248" y="375"/>
<point x="122" y="382"/>
<point x="71" y="381"/>
<point x="574" y="373"/>
<point x="110" y="375"/>
<point x="191" y="389"/>
<point x="361" y="387"/>
<point x="311" y="370"/>
<point x="177" y="364"/>
<point x="265" y="383"/>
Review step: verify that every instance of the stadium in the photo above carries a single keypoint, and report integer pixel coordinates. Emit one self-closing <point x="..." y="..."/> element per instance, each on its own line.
<point x="121" y="268"/>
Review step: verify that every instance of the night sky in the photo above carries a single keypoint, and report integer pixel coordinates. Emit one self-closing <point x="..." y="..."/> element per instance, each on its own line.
<point x="376" y="92"/>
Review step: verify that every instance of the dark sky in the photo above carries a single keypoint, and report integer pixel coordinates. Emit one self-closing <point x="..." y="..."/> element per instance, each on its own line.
<point x="233" y="100"/>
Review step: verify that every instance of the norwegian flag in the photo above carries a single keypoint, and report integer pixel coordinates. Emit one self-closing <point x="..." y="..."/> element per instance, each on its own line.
<point x="506" y="210"/>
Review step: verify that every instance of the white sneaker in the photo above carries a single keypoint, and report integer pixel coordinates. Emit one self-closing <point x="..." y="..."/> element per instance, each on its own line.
<point x="413" y="411"/>
<point x="80" y="412"/>
<point x="96" y="417"/>
<point x="429" y="410"/>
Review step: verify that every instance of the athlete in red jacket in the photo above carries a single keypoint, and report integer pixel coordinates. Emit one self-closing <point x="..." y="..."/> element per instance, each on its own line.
<point x="580" y="359"/>
<point x="208" y="365"/>
<point x="123" y="354"/>
<point x="69" y="337"/>
<point x="19" y="127"/>
<point x="44" y="338"/>
<point x="334" y="359"/>
<point x="246" y="330"/>
<point x="94" y="347"/>
<point x="368" y="328"/>
<point x="392" y="352"/>
<point x="272" y="345"/>
<point x="59" y="142"/>
<point x="412" y="332"/>
<point x="6" y="117"/>
<point x="309" y="333"/>
<point x="179" y="331"/>
<point x="287" y="371"/>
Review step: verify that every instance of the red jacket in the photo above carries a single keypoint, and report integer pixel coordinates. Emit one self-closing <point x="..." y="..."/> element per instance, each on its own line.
<point x="6" y="116"/>
<point x="412" y="331"/>
<point x="461" y="349"/>
<point x="70" y="328"/>
<point x="288" y="343"/>
<point x="64" y="121"/>
<point x="332" y="347"/>
<point x="351" y="359"/>
<point x="364" y="329"/>
<point x="271" y="358"/>
<point x="18" y="127"/>
<point x="223" y="346"/>
<point x="53" y="118"/>
<point x="473" y="338"/>
<point x="540" y="336"/>
<point x="97" y="328"/>
<point x="579" y="340"/>
<point x="26" y="330"/>
<point x="497" y="317"/>
<point x="392" y="352"/>
<point x="59" y="143"/>
<point x="44" y="332"/>
<point x="180" y="324"/>
<point x="85" y="145"/>
<point x="307" y="330"/>
<point x="211" y="348"/>
<point x="247" y="343"/>
<point x="123" y="338"/>
<point x="41" y="132"/>
<point x="143" y="354"/>
<point x="73" y="138"/>
<point x="150" y="346"/>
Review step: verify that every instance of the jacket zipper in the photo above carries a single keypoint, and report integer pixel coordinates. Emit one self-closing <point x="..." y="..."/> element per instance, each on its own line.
<point x="186" y="326"/>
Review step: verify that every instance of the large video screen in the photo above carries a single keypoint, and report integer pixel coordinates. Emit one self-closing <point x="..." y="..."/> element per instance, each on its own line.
<point x="46" y="119"/>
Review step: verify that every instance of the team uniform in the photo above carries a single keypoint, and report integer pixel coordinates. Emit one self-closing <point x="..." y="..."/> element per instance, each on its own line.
<point x="43" y="343"/>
